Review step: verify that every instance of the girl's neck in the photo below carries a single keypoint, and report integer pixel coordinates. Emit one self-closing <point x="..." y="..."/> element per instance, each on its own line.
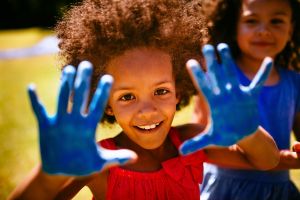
<point x="250" y="67"/>
<point x="148" y="159"/>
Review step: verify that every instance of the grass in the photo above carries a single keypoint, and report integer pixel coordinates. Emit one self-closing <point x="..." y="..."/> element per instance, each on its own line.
<point x="21" y="38"/>
<point x="19" y="150"/>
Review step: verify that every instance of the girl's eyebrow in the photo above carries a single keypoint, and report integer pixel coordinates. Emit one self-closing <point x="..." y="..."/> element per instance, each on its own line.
<point x="284" y="13"/>
<point x="281" y="12"/>
<point x="123" y="88"/>
<point x="164" y="82"/>
<point x="129" y="87"/>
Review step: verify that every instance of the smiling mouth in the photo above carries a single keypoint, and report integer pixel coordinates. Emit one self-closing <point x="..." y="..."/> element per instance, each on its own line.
<point x="149" y="127"/>
<point x="262" y="43"/>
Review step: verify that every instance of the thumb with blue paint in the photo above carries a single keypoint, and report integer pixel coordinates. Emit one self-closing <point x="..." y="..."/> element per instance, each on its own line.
<point x="234" y="111"/>
<point x="67" y="139"/>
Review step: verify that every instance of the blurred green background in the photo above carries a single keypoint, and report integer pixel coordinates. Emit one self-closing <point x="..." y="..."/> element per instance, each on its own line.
<point x="19" y="151"/>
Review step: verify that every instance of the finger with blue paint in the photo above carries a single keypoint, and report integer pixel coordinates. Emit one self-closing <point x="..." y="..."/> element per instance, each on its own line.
<point x="234" y="112"/>
<point x="67" y="139"/>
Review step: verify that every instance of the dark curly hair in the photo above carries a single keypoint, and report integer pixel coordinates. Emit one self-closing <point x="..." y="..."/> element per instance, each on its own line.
<point x="99" y="30"/>
<point x="223" y="17"/>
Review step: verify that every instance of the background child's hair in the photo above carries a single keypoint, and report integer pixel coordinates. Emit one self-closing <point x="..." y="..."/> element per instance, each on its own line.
<point x="223" y="16"/>
<point x="99" y="30"/>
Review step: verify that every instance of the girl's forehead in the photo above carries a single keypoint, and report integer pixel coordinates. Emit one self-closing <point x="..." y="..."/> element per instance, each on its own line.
<point x="139" y="59"/>
<point x="265" y="2"/>
<point x="141" y="67"/>
<point x="270" y="7"/>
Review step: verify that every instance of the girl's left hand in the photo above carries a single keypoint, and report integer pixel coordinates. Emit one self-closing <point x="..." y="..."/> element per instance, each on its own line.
<point x="67" y="139"/>
<point x="234" y="112"/>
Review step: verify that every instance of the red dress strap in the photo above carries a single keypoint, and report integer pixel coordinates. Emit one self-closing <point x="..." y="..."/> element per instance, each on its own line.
<point x="174" y="136"/>
<point x="108" y="144"/>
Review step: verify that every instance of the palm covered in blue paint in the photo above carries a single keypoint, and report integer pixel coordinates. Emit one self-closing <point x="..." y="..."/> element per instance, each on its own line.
<point x="67" y="139"/>
<point x="234" y="112"/>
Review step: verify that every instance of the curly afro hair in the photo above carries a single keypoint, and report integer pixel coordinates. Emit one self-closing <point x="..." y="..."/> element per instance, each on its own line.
<point x="99" y="30"/>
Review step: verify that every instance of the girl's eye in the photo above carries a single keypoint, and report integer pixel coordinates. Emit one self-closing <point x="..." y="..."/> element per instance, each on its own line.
<point x="251" y="21"/>
<point x="277" y="21"/>
<point x="127" y="97"/>
<point x="161" y="92"/>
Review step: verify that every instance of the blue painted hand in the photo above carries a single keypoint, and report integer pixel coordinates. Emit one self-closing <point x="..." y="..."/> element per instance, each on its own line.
<point x="234" y="113"/>
<point x="67" y="139"/>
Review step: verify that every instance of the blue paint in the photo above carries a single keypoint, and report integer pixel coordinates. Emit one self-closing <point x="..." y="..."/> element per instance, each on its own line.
<point x="234" y="110"/>
<point x="67" y="139"/>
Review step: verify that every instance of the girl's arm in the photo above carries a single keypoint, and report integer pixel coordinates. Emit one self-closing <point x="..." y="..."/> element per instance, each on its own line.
<point x="291" y="159"/>
<point x="256" y="151"/>
<point x="38" y="185"/>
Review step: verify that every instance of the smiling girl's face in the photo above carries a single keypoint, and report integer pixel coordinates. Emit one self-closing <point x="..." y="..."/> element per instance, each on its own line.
<point x="143" y="96"/>
<point x="264" y="28"/>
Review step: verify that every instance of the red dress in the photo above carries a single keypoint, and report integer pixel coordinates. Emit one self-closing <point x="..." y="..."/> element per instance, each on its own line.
<point x="178" y="179"/>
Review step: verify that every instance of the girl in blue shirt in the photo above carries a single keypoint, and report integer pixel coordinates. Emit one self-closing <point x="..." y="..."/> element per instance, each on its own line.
<point x="255" y="29"/>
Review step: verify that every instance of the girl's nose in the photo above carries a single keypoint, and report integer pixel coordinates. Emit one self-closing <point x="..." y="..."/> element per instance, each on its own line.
<point x="263" y="30"/>
<point x="147" y="109"/>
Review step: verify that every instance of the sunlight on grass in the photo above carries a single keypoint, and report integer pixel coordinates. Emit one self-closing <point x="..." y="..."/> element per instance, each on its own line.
<point x="18" y="138"/>
<point x="21" y="38"/>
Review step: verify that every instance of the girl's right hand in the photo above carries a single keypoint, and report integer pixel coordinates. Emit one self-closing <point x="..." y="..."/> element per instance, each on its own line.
<point x="234" y="112"/>
<point x="67" y="139"/>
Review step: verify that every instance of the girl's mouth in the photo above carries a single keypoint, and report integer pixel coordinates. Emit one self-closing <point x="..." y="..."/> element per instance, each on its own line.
<point x="149" y="127"/>
<point x="263" y="44"/>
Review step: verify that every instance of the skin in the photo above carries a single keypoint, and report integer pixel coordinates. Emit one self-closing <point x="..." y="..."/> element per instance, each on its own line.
<point x="143" y="107"/>
<point x="263" y="29"/>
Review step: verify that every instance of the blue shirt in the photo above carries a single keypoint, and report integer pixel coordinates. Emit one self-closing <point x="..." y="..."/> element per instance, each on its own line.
<point x="278" y="105"/>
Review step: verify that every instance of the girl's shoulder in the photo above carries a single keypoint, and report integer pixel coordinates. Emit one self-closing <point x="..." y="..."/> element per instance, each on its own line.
<point x="291" y="76"/>
<point x="288" y="72"/>
<point x="188" y="131"/>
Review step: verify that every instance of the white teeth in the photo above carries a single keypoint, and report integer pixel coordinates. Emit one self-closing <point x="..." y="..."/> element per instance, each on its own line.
<point x="148" y="127"/>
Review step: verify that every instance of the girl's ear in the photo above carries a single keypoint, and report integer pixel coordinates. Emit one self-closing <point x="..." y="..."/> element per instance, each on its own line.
<point x="109" y="111"/>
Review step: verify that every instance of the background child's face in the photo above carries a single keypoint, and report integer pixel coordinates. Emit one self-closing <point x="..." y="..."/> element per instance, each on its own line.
<point x="143" y="96"/>
<point x="264" y="28"/>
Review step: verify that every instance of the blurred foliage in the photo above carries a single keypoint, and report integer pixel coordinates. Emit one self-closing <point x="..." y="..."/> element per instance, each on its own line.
<point x="31" y="13"/>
